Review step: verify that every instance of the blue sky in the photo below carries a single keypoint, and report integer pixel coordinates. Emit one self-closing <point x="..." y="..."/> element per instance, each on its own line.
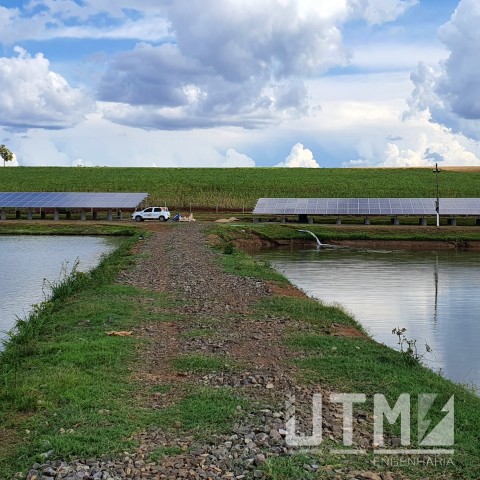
<point x="226" y="83"/>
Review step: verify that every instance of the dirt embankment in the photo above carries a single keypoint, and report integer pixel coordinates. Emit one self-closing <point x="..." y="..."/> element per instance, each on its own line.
<point x="409" y="244"/>
<point x="256" y="241"/>
<point x="211" y="315"/>
<point x="260" y="366"/>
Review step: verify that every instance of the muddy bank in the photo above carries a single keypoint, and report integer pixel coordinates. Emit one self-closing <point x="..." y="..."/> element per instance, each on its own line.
<point x="409" y="244"/>
<point x="260" y="242"/>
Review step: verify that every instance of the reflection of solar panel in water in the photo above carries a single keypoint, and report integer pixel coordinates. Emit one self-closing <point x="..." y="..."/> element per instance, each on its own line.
<point x="366" y="206"/>
<point x="70" y="200"/>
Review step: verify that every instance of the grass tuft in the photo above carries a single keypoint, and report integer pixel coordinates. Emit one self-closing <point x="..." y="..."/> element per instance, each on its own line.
<point x="306" y="309"/>
<point x="205" y="411"/>
<point x="200" y="364"/>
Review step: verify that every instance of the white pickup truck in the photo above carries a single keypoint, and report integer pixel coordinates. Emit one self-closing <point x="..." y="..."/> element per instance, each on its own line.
<point x="151" y="213"/>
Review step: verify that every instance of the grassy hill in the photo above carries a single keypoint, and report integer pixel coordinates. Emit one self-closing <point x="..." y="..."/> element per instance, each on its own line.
<point x="239" y="188"/>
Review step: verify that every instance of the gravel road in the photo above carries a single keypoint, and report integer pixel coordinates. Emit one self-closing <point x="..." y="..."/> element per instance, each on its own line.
<point x="177" y="260"/>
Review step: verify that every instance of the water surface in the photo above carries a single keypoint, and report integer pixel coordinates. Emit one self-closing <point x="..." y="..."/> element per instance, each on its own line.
<point x="28" y="263"/>
<point x="434" y="295"/>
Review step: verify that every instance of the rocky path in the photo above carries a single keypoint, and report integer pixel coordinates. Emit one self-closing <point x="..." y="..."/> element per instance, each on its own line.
<point x="177" y="261"/>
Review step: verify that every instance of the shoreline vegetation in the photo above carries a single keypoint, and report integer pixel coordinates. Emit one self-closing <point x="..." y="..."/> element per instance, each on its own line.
<point x="21" y="227"/>
<point x="275" y="234"/>
<point x="67" y="390"/>
<point x="269" y="234"/>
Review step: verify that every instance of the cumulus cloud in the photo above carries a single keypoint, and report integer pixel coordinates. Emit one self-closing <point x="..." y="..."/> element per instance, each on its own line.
<point x="460" y="83"/>
<point x="234" y="63"/>
<point x="444" y="148"/>
<point x="434" y="144"/>
<point x="80" y="162"/>
<point x="97" y="142"/>
<point x="151" y="75"/>
<point x="39" y="150"/>
<point x="269" y="37"/>
<point x="395" y="157"/>
<point x="150" y="20"/>
<point x="35" y="96"/>
<point x="381" y="11"/>
<point x="227" y="63"/>
<point x="299" y="157"/>
<point x="201" y="66"/>
<point x="448" y="93"/>
<point x="203" y="105"/>
<point x="423" y="97"/>
<point x="445" y="98"/>
<point x="234" y="159"/>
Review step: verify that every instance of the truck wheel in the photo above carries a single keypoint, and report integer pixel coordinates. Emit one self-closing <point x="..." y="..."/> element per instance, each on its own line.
<point x="138" y="218"/>
<point x="161" y="218"/>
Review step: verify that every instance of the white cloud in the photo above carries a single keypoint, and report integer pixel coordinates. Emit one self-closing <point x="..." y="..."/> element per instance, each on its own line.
<point x="234" y="159"/>
<point x="33" y="95"/>
<point x="448" y="92"/>
<point x="235" y="63"/>
<point x="260" y="38"/>
<point x="38" y="149"/>
<point x="97" y="142"/>
<point x="51" y="19"/>
<point x="80" y="162"/>
<point x="460" y="83"/>
<point x="234" y="76"/>
<point x="442" y="121"/>
<point x="423" y="144"/>
<point x="228" y="63"/>
<point x="149" y="20"/>
<point x="381" y="11"/>
<point x="441" y="146"/>
<point x="423" y="97"/>
<point x="299" y="157"/>
<point x="394" y="157"/>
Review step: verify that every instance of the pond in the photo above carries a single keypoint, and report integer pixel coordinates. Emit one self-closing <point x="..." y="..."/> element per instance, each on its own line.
<point x="28" y="263"/>
<point x="434" y="295"/>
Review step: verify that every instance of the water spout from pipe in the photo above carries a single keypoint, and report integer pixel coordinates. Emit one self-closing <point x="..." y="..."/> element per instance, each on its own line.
<point x="319" y="243"/>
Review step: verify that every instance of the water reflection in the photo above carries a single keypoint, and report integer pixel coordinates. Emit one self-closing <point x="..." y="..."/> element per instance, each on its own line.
<point x="434" y="295"/>
<point x="25" y="261"/>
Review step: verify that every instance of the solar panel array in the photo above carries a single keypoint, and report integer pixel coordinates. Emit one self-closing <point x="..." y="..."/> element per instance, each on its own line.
<point x="70" y="200"/>
<point x="366" y="206"/>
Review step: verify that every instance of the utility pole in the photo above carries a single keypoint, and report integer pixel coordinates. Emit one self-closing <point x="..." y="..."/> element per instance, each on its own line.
<point x="437" y="203"/>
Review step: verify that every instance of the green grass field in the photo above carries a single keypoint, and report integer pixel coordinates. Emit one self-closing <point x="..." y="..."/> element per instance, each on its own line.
<point x="239" y="188"/>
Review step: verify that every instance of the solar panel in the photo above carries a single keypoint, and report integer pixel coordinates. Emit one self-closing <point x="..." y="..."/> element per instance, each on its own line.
<point x="70" y="200"/>
<point x="366" y="206"/>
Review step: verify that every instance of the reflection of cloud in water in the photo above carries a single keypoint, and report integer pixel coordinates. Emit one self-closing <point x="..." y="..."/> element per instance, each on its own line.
<point x="461" y="311"/>
<point x="386" y="290"/>
<point x="27" y="260"/>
